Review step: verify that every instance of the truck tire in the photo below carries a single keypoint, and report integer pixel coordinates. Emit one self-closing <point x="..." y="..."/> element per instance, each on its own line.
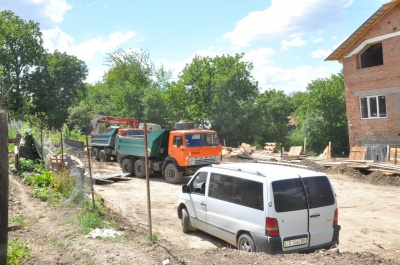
<point x="95" y="153"/>
<point x="140" y="168"/>
<point x="103" y="156"/>
<point x="127" y="166"/>
<point x="172" y="175"/>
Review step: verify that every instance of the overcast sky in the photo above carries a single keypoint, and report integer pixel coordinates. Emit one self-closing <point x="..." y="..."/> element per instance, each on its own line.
<point x="286" y="40"/>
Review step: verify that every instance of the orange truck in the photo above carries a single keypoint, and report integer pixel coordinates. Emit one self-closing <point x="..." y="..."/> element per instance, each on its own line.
<point x="174" y="153"/>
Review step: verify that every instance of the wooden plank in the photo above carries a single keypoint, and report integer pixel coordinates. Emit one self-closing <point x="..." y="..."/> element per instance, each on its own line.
<point x="358" y="152"/>
<point x="295" y="150"/>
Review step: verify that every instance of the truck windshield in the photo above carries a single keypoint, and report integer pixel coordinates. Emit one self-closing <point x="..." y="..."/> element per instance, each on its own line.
<point x="201" y="139"/>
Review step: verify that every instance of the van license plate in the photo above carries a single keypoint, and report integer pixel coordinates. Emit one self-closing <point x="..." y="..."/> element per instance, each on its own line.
<point x="294" y="242"/>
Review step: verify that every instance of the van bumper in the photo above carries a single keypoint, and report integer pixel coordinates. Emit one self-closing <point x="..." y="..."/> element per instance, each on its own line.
<point x="273" y="245"/>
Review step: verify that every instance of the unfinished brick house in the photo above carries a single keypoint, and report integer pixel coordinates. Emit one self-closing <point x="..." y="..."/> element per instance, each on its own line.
<point x="371" y="68"/>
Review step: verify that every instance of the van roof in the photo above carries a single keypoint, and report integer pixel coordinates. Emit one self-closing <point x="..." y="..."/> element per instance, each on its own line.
<point x="269" y="170"/>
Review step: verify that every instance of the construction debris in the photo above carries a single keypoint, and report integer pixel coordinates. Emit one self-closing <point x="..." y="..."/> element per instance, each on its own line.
<point x="244" y="149"/>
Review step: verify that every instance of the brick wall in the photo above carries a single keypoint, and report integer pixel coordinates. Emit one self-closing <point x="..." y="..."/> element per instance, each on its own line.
<point x="373" y="81"/>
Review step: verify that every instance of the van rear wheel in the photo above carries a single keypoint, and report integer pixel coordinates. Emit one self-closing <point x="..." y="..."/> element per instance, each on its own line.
<point x="246" y="243"/>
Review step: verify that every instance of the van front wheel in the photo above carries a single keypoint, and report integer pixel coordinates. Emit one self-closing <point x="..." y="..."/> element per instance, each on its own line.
<point x="185" y="221"/>
<point x="246" y="243"/>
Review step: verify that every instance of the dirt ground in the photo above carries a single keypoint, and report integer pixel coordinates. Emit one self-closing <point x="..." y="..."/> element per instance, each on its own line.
<point x="369" y="214"/>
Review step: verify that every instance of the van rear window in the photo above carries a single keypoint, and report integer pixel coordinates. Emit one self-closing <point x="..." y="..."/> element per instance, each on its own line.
<point x="319" y="192"/>
<point x="237" y="190"/>
<point x="289" y="194"/>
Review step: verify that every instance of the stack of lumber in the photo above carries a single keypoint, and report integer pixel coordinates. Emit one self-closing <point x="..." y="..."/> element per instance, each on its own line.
<point x="243" y="149"/>
<point x="270" y="148"/>
<point x="394" y="153"/>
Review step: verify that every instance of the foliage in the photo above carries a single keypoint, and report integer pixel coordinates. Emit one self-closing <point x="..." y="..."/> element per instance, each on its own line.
<point x="90" y="218"/>
<point x="29" y="165"/>
<point x="322" y="115"/>
<point x="42" y="193"/>
<point x="21" y="49"/>
<point x="39" y="180"/>
<point x="274" y="109"/>
<point x="57" y="84"/>
<point x="63" y="182"/>
<point x="217" y="91"/>
<point x="17" y="251"/>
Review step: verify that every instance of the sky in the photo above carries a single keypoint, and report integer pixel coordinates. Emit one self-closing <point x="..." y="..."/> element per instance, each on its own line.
<point x="287" y="41"/>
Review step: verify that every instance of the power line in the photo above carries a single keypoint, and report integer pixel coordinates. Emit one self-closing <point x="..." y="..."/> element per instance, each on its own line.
<point x="337" y="7"/>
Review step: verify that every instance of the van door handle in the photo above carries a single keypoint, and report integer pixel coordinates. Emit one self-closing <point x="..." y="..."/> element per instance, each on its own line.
<point x="315" y="215"/>
<point x="203" y="204"/>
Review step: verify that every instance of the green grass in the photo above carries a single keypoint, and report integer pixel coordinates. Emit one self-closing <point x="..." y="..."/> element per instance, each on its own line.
<point x="16" y="220"/>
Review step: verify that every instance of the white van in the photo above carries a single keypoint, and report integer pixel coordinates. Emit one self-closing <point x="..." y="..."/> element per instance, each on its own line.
<point x="269" y="207"/>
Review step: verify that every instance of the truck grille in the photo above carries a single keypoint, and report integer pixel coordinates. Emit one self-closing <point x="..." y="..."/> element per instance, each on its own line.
<point x="204" y="160"/>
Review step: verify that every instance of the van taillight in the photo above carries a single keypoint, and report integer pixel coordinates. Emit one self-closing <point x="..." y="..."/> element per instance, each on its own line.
<point x="335" y="218"/>
<point x="271" y="227"/>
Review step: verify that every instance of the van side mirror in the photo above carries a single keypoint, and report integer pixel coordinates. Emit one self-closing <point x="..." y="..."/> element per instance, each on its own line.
<point x="185" y="189"/>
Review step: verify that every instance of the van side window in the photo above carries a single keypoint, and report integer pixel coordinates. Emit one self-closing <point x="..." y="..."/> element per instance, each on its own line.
<point x="319" y="192"/>
<point x="237" y="190"/>
<point x="289" y="195"/>
<point x="199" y="183"/>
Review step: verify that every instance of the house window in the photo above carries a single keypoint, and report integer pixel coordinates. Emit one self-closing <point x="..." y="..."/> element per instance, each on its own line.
<point x="372" y="56"/>
<point x="373" y="107"/>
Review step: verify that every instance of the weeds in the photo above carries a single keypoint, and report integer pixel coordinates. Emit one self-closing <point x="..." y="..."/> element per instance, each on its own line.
<point x="18" y="251"/>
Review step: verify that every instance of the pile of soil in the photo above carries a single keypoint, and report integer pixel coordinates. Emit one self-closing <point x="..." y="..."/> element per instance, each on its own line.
<point x="312" y="164"/>
<point x="343" y="169"/>
<point x="375" y="178"/>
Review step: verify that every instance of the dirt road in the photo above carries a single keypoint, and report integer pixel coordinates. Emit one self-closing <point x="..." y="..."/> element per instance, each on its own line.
<point x="369" y="214"/>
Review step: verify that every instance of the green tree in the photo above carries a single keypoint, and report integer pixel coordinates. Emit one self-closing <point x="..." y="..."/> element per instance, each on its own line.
<point x="57" y="85"/>
<point x="218" y="91"/>
<point x="322" y="115"/>
<point x="274" y="109"/>
<point x="128" y="78"/>
<point x="21" y="50"/>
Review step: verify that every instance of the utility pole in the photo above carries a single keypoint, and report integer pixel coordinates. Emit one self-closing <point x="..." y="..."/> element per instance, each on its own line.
<point x="3" y="187"/>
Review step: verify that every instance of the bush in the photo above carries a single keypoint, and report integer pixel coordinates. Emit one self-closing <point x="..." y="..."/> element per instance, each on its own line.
<point x="42" y="180"/>
<point x="41" y="193"/>
<point x="17" y="251"/>
<point x="63" y="182"/>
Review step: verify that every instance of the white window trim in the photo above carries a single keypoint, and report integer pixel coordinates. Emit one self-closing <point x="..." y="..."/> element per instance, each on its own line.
<point x="369" y="108"/>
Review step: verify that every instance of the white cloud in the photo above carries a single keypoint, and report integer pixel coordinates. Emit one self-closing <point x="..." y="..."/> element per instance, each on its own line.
<point x="295" y="42"/>
<point x="321" y="53"/>
<point x="289" y="80"/>
<point x="55" y="9"/>
<point x="285" y="18"/>
<point x="317" y="40"/>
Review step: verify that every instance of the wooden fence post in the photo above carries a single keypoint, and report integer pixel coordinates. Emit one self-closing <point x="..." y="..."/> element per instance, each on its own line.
<point x="3" y="187"/>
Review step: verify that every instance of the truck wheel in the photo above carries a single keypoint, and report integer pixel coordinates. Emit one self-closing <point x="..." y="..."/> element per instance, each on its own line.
<point x="95" y="153"/>
<point x="140" y="168"/>
<point x="103" y="156"/>
<point x="171" y="174"/>
<point x="185" y="221"/>
<point x="127" y="166"/>
<point x="246" y="243"/>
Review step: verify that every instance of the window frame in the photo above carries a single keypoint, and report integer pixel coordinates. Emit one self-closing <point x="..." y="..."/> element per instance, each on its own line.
<point x="368" y="107"/>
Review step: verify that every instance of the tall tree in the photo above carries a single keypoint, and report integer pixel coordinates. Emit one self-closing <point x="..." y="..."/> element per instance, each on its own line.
<point x="57" y="85"/>
<point x="20" y="50"/>
<point x="217" y="91"/>
<point x="323" y="115"/>
<point x="274" y="109"/>
<point x="129" y="76"/>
